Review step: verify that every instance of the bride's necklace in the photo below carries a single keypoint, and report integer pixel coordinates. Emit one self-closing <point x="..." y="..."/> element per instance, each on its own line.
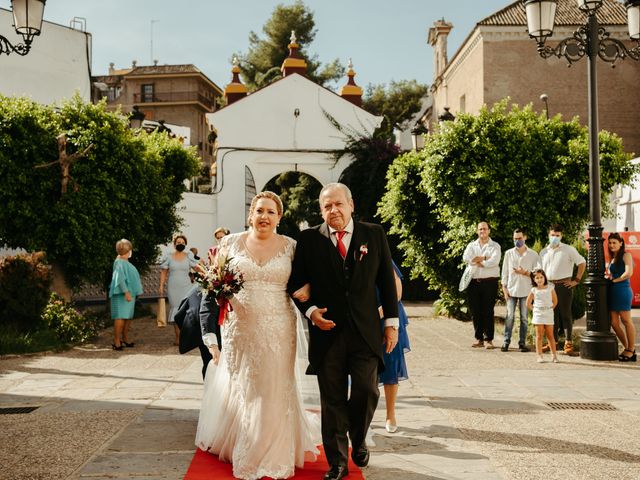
<point x="255" y="257"/>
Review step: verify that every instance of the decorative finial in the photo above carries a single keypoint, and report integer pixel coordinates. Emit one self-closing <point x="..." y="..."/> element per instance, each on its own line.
<point x="350" y="66"/>
<point x="293" y="36"/>
<point x="235" y="61"/>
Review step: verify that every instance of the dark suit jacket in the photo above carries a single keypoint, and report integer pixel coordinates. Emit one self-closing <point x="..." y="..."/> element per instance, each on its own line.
<point x="346" y="288"/>
<point x="197" y="314"/>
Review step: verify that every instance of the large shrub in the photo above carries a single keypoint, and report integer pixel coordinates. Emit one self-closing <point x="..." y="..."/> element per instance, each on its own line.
<point x="69" y="324"/>
<point x="24" y="291"/>
<point x="127" y="185"/>
<point x="511" y="168"/>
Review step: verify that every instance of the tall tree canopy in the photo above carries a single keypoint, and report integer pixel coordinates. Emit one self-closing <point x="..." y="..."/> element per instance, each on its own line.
<point x="260" y="66"/>
<point x="126" y="185"/>
<point x="511" y="168"/>
<point x="397" y="102"/>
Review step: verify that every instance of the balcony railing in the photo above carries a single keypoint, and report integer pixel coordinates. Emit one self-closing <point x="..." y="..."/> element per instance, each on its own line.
<point x="176" y="97"/>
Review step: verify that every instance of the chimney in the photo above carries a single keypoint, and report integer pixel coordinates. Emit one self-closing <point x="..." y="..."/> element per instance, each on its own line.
<point x="235" y="90"/>
<point x="351" y="91"/>
<point x="438" y="40"/>
<point x="294" y="63"/>
<point x="112" y="69"/>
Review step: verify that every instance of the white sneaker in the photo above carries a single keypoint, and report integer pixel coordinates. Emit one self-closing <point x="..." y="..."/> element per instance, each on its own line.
<point x="555" y="359"/>
<point x="540" y="359"/>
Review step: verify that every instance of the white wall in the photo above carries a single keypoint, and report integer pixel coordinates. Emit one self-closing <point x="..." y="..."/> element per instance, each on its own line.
<point x="626" y="202"/>
<point x="58" y="65"/>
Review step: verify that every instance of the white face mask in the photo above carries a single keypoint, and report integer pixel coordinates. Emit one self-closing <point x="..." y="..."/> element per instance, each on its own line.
<point x="130" y="254"/>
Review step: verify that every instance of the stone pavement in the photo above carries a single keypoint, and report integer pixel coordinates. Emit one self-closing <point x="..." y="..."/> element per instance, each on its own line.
<point x="463" y="414"/>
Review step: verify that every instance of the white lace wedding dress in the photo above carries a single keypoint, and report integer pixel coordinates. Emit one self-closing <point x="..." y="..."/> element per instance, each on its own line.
<point x="252" y="412"/>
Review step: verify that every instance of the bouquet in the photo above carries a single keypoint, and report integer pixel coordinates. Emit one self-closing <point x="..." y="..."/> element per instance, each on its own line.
<point x="221" y="281"/>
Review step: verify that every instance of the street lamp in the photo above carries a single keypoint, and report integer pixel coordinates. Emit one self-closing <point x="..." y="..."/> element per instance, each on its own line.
<point x="136" y="117"/>
<point x="592" y="41"/>
<point x="27" y="21"/>
<point x="417" y="133"/>
<point x="446" y="116"/>
<point x="545" y="98"/>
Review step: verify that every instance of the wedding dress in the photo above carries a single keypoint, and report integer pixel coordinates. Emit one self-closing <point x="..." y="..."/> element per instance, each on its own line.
<point x="252" y="412"/>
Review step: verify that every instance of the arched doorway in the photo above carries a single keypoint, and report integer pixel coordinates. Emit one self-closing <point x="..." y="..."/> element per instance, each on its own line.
<point x="299" y="193"/>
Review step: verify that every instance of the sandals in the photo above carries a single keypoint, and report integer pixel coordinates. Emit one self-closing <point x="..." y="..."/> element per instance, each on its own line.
<point x="630" y="358"/>
<point x="129" y="345"/>
<point x="118" y="348"/>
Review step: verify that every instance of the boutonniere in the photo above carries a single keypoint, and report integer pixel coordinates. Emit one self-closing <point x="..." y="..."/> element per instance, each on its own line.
<point x="363" y="251"/>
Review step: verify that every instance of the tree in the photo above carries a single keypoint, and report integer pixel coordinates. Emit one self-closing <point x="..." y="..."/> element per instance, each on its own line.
<point x="398" y="102"/>
<point x="126" y="185"/>
<point x="299" y="193"/>
<point x="260" y="66"/>
<point x="510" y="168"/>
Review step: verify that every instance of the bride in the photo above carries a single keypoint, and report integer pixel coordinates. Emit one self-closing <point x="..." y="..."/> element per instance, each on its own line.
<point x="252" y="413"/>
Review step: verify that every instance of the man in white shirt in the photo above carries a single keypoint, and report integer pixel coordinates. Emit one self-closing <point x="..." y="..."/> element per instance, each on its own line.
<point x="558" y="261"/>
<point x="484" y="254"/>
<point x="517" y="266"/>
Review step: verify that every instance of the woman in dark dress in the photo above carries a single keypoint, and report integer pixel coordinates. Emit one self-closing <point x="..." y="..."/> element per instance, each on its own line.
<point x="620" y="296"/>
<point x="395" y="367"/>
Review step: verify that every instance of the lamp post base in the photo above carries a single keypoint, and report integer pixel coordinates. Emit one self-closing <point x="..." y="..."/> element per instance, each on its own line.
<point x="598" y="346"/>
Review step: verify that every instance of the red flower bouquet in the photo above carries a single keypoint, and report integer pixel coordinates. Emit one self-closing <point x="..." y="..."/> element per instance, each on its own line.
<point x="223" y="282"/>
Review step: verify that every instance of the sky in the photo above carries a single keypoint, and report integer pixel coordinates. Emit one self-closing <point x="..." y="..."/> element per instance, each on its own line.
<point x="387" y="39"/>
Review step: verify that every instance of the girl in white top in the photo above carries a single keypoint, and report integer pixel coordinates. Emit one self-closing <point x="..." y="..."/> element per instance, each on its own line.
<point x="542" y="300"/>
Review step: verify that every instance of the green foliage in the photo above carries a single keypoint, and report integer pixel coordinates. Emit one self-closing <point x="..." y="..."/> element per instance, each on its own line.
<point x="366" y="175"/>
<point x="397" y="103"/>
<point x="69" y="324"/>
<point x="24" y="291"/>
<point x="128" y="186"/>
<point x="299" y="193"/>
<point x="260" y="66"/>
<point x="510" y="168"/>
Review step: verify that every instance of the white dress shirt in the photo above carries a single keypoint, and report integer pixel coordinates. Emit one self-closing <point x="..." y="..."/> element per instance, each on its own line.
<point x="491" y="251"/>
<point x="518" y="285"/>
<point x="558" y="262"/>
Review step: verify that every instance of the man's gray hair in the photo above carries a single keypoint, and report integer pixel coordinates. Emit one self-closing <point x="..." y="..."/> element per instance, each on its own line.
<point x="330" y="186"/>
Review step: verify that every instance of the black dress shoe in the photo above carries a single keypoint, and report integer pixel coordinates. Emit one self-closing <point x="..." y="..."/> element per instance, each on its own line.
<point x="360" y="456"/>
<point x="336" y="472"/>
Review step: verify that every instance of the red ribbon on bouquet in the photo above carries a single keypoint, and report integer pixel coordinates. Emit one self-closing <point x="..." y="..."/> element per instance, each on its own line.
<point x="225" y="307"/>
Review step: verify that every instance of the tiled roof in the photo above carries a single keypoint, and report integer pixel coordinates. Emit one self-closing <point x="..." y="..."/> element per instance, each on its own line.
<point x="164" y="69"/>
<point x="612" y="12"/>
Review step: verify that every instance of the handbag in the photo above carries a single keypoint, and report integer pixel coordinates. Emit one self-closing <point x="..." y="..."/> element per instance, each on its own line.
<point x="467" y="275"/>
<point x="161" y="315"/>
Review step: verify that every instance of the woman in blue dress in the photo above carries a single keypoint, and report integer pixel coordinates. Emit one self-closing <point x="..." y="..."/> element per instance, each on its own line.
<point x="125" y="287"/>
<point x="176" y="267"/>
<point x="395" y="366"/>
<point x="620" y="296"/>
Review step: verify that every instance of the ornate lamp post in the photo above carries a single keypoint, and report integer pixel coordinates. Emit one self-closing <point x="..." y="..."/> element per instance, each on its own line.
<point x="27" y="21"/>
<point x="591" y="41"/>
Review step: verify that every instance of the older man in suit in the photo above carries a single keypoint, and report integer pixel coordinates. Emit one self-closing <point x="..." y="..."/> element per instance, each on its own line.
<point x="348" y="265"/>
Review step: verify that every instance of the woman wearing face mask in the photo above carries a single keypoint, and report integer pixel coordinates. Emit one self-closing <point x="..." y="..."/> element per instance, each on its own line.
<point x="125" y="287"/>
<point x="176" y="267"/>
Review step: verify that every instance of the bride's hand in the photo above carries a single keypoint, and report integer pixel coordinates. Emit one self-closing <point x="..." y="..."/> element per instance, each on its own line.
<point x="215" y="353"/>
<point x="303" y="293"/>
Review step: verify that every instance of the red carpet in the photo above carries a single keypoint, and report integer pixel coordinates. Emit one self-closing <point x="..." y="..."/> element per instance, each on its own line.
<point x="206" y="466"/>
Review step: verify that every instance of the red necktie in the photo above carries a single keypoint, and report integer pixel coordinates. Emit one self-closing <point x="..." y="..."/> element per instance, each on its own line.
<point x="341" y="249"/>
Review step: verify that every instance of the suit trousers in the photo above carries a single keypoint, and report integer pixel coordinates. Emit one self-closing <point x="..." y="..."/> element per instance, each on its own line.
<point x="562" y="315"/>
<point x="482" y="300"/>
<point x="206" y="358"/>
<point x="344" y="413"/>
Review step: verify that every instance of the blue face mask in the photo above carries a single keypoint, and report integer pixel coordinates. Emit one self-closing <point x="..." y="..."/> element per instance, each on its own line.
<point x="554" y="241"/>
<point x="518" y="243"/>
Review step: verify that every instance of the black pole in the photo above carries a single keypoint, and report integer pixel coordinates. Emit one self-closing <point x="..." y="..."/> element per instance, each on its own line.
<point x="597" y="342"/>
